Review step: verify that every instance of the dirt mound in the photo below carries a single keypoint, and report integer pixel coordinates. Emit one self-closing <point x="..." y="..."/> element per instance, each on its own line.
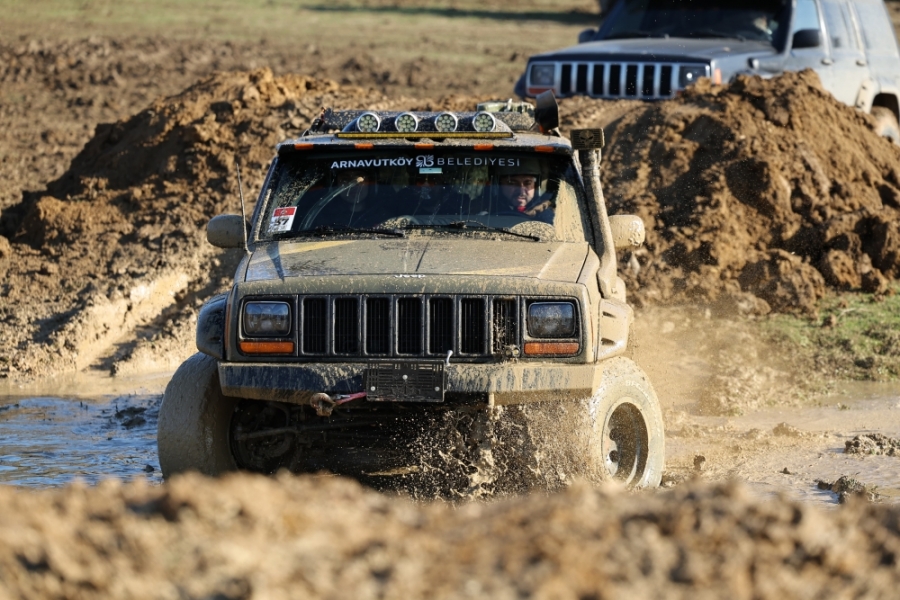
<point x="873" y="444"/>
<point x="756" y="195"/>
<point x="247" y="536"/>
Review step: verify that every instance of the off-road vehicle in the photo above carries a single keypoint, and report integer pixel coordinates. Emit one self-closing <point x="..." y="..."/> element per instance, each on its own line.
<point x="402" y="267"/>
<point x="651" y="49"/>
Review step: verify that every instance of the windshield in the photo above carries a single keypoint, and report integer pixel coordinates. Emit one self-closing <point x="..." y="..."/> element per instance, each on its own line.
<point x="449" y="190"/>
<point x="740" y="19"/>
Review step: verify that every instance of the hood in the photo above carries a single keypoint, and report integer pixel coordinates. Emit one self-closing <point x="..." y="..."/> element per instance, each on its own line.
<point x="659" y="49"/>
<point x="554" y="261"/>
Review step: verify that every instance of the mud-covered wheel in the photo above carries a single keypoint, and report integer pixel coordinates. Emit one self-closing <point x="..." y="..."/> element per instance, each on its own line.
<point x="886" y="123"/>
<point x="195" y="421"/>
<point x="627" y="440"/>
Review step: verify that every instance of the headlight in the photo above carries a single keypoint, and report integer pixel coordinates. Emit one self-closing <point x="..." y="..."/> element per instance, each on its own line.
<point x="267" y="318"/>
<point x="688" y="75"/>
<point x="406" y="123"/>
<point x="551" y="320"/>
<point x="542" y="75"/>
<point x="483" y="122"/>
<point x="445" y="122"/>
<point x="368" y="122"/>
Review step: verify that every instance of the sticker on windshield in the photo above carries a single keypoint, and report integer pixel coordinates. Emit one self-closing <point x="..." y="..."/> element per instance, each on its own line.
<point x="429" y="170"/>
<point x="282" y="219"/>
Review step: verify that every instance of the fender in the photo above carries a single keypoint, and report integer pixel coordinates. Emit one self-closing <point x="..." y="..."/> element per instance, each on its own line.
<point x="211" y="327"/>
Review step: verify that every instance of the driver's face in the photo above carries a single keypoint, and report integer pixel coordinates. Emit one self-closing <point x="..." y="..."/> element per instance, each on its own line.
<point x="518" y="189"/>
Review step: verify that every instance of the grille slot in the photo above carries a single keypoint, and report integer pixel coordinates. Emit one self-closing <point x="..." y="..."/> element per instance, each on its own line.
<point x="409" y="326"/>
<point x="505" y="324"/>
<point x="631" y="81"/>
<point x="665" y="80"/>
<point x="315" y="326"/>
<point x="581" y="78"/>
<point x="346" y="325"/>
<point x="565" y="84"/>
<point x="597" y="89"/>
<point x="378" y="325"/>
<point x="440" y="325"/>
<point x="472" y="338"/>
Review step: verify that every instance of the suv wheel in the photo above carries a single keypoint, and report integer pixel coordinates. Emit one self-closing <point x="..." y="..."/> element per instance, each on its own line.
<point x="886" y="123"/>
<point x="626" y="441"/>
<point x="195" y="421"/>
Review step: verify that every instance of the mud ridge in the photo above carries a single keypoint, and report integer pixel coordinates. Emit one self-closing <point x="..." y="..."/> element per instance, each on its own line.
<point x="324" y="537"/>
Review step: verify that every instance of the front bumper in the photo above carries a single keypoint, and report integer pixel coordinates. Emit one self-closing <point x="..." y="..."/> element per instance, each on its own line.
<point x="507" y="383"/>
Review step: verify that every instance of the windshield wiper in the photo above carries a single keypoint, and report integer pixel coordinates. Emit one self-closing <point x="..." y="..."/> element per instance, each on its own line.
<point x="341" y="229"/>
<point x="702" y="33"/>
<point x="634" y="33"/>
<point x="474" y="226"/>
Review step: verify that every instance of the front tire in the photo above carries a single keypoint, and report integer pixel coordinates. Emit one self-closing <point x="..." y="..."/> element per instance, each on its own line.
<point x="886" y="123"/>
<point x="195" y="421"/>
<point x="626" y="438"/>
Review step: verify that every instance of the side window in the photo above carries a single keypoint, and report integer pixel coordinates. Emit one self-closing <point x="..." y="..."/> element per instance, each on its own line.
<point x="807" y="15"/>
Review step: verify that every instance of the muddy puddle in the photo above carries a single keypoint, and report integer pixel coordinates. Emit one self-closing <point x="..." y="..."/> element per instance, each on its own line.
<point x="788" y="450"/>
<point x="65" y="430"/>
<point x="56" y="433"/>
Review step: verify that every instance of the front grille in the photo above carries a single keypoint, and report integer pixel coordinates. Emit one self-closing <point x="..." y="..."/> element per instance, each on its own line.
<point x="408" y="326"/>
<point x="646" y="81"/>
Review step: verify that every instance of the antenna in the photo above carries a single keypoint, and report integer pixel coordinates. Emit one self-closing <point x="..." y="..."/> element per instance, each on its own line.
<point x="243" y="210"/>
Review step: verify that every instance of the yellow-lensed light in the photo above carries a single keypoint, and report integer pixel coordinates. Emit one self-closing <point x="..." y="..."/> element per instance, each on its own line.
<point x="406" y="123"/>
<point x="368" y="122"/>
<point x="248" y="347"/>
<point x="446" y="122"/>
<point x="484" y="122"/>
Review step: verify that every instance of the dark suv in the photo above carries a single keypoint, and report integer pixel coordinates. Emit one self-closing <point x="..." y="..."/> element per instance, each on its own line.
<point x="406" y="272"/>
<point x="651" y="49"/>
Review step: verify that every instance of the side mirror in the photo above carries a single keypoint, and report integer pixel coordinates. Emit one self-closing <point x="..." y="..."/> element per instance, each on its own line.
<point x="627" y="231"/>
<point x="587" y="36"/>
<point x="226" y="231"/>
<point x="807" y="38"/>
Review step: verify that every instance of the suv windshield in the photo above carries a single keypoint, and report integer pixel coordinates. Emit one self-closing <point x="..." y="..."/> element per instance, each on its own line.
<point x="450" y="190"/>
<point x="741" y="19"/>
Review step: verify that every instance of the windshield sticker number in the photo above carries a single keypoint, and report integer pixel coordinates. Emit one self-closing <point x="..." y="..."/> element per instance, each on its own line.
<point x="282" y="219"/>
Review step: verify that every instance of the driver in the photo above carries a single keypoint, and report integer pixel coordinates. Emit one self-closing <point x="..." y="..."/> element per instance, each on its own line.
<point x="519" y="191"/>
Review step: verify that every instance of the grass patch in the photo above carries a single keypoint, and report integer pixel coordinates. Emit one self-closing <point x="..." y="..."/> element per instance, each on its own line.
<point x="854" y="336"/>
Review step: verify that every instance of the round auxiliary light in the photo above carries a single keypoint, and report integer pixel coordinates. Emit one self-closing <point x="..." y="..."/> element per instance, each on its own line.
<point x="446" y="122"/>
<point x="483" y="122"/>
<point x="368" y="122"/>
<point x="406" y="123"/>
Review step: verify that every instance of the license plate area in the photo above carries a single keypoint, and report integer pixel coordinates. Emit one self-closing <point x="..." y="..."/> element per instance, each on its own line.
<point x="406" y="382"/>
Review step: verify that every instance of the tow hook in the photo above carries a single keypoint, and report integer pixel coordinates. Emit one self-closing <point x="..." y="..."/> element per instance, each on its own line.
<point x="324" y="404"/>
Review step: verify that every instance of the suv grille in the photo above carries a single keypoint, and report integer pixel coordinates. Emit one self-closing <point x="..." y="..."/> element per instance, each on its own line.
<point x="646" y="81"/>
<point x="407" y="326"/>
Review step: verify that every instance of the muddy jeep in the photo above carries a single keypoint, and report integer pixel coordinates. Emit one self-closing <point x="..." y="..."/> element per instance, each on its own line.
<point x="409" y="272"/>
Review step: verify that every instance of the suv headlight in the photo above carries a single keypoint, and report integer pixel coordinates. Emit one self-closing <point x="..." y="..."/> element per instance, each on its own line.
<point x="542" y="75"/>
<point x="689" y="74"/>
<point x="551" y="320"/>
<point x="267" y="318"/>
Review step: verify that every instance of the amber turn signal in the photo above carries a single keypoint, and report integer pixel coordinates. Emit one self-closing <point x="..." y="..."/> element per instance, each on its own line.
<point x="550" y="348"/>
<point x="266" y="347"/>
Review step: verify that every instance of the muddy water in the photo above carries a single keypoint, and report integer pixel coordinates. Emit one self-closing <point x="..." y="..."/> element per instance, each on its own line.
<point x="52" y="434"/>
<point x="55" y="433"/>
<point x="787" y="450"/>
